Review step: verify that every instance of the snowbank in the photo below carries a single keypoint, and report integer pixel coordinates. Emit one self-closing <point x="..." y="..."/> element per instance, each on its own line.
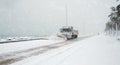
<point x="18" y="46"/>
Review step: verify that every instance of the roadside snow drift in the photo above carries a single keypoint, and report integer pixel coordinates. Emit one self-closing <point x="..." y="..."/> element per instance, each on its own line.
<point x="18" y="46"/>
<point x="97" y="50"/>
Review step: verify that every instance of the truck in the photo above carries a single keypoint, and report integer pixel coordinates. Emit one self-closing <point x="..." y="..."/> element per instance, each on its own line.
<point x="68" y="32"/>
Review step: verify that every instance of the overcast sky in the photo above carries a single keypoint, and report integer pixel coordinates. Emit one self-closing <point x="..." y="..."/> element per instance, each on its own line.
<point x="45" y="17"/>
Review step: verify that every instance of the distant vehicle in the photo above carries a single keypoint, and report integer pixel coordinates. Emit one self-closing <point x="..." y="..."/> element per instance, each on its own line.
<point x="68" y="32"/>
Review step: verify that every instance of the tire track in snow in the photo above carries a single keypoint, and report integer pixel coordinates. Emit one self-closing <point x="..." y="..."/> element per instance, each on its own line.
<point x="16" y="56"/>
<point x="20" y="55"/>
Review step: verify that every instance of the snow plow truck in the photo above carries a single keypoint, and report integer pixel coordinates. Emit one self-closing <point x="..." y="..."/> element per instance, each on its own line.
<point x="68" y="32"/>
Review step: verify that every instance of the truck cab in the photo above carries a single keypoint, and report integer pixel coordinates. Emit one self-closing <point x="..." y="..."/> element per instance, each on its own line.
<point x="69" y="32"/>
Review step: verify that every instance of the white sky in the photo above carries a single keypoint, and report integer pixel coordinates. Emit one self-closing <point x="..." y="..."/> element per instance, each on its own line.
<point x="45" y="17"/>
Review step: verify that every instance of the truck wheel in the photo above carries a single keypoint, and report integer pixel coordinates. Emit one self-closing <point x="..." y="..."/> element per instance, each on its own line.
<point x="68" y="38"/>
<point x="72" y="37"/>
<point x="76" y="36"/>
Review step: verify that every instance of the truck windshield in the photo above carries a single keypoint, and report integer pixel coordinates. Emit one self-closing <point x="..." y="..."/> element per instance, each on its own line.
<point x="66" y="30"/>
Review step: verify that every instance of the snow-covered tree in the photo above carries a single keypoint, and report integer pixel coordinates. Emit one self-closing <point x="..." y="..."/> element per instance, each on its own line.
<point x="114" y="21"/>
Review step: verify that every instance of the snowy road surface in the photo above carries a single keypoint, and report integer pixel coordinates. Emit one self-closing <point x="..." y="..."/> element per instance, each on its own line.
<point x="12" y="57"/>
<point x="95" y="50"/>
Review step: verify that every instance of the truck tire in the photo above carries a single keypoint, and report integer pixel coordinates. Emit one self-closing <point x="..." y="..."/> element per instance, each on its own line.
<point x="74" y="36"/>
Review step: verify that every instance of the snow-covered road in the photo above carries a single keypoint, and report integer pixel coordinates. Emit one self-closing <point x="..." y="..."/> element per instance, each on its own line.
<point x="13" y="57"/>
<point x="95" y="50"/>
